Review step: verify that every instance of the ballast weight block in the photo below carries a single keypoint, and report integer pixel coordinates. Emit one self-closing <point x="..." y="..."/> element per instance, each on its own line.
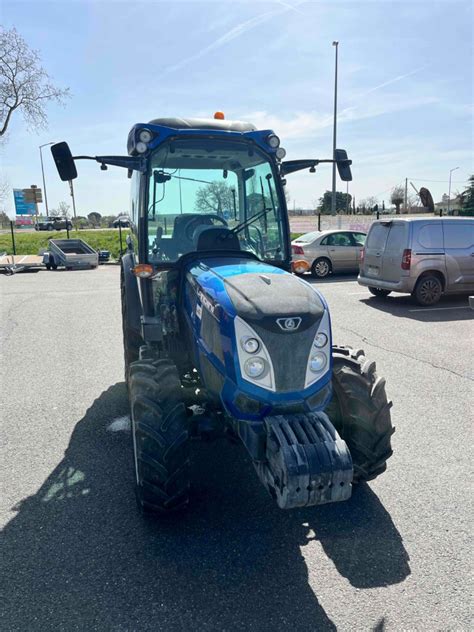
<point x="307" y="463"/>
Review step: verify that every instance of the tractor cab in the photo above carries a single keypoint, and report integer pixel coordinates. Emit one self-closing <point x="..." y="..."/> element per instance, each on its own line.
<point x="210" y="186"/>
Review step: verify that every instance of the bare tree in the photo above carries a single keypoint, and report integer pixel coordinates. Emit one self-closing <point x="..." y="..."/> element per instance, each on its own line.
<point x="397" y="197"/>
<point x="215" y="197"/>
<point x="5" y="189"/>
<point x="24" y="84"/>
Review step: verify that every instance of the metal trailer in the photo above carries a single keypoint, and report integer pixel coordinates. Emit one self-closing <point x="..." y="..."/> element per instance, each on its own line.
<point x="70" y="253"/>
<point x="11" y="264"/>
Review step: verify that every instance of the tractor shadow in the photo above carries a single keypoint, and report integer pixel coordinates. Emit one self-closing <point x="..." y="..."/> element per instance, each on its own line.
<point x="77" y="555"/>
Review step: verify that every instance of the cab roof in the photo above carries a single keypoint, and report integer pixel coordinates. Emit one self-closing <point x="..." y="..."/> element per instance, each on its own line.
<point x="198" y="123"/>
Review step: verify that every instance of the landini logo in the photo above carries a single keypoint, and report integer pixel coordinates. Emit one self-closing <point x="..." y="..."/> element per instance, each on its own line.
<point x="289" y="324"/>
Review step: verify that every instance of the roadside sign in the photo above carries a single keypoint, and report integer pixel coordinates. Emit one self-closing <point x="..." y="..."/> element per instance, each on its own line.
<point x="23" y="206"/>
<point x="33" y="194"/>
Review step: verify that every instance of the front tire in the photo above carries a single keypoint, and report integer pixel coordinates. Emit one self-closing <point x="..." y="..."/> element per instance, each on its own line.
<point x="377" y="291"/>
<point x="160" y="436"/>
<point x="321" y="268"/>
<point x="360" y="412"/>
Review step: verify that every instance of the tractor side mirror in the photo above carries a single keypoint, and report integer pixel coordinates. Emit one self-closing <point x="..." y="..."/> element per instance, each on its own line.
<point x="343" y="165"/>
<point x="64" y="161"/>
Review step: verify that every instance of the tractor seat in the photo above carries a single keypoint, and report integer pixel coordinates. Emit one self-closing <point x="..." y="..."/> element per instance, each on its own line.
<point x="215" y="238"/>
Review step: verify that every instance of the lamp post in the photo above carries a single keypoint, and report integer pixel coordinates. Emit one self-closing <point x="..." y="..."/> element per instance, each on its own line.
<point x="333" y="197"/>
<point x="449" y="190"/>
<point x="42" y="171"/>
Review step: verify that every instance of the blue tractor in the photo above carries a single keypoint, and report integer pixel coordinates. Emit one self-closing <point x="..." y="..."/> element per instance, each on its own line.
<point x="219" y="336"/>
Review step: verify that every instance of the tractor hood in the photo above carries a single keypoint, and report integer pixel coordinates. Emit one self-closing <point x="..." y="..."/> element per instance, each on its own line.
<point x="259" y="293"/>
<point x="235" y="296"/>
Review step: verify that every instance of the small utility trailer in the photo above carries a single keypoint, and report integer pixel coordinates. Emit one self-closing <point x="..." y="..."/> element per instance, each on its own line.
<point x="70" y="253"/>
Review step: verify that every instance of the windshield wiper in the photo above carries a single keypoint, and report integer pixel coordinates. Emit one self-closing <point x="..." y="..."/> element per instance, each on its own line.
<point x="250" y="220"/>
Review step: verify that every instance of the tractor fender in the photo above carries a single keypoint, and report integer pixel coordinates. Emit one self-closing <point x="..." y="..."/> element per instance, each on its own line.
<point x="130" y="293"/>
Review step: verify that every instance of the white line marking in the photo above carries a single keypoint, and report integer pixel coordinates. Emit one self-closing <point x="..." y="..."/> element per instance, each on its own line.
<point x="358" y="293"/>
<point x="435" y="309"/>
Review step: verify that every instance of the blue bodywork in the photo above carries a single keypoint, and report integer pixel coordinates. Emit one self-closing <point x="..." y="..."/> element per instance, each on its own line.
<point x="162" y="133"/>
<point x="206" y="279"/>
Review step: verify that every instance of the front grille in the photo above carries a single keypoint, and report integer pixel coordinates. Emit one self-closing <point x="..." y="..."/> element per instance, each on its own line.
<point x="289" y="354"/>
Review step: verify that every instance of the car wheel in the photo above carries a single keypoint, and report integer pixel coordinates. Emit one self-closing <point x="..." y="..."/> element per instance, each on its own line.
<point x="428" y="290"/>
<point x="321" y="268"/>
<point x="377" y="291"/>
<point x="49" y="227"/>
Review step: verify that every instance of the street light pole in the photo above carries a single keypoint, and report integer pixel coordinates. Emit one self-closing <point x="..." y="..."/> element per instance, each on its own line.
<point x="333" y="197"/>
<point x="42" y="171"/>
<point x="449" y="190"/>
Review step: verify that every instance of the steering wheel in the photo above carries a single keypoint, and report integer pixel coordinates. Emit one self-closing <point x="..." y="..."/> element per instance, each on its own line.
<point x="194" y="222"/>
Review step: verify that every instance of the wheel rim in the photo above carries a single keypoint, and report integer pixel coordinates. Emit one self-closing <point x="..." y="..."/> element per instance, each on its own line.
<point x="321" y="268"/>
<point x="430" y="291"/>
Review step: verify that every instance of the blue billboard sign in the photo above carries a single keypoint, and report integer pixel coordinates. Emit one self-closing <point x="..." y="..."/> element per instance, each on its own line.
<point x="21" y="206"/>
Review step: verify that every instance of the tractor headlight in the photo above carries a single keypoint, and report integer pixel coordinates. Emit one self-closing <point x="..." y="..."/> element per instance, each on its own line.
<point x="145" y="135"/>
<point x="250" y="345"/>
<point x="320" y="340"/>
<point x="280" y="153"/>
<point x="255" y="367"/>
<point x="141" y="147"/>
<point x="319" y="356"/>
<point x="273" y="141"/>
<point x="318" y="362"/>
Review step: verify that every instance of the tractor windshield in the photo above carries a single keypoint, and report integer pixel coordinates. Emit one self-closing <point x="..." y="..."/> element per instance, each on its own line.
<point x="199" y="183"/>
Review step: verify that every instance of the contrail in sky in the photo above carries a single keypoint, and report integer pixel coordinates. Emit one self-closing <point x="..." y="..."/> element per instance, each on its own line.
<point x="381" y="85"/>
<point x="234" y="33"/>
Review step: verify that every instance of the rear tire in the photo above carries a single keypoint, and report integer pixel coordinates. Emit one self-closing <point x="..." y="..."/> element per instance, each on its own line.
<point x="160" y="436"/>
<point x="377" y="291"/>
<point x="131" y="340"/>
<point x="360" y="412"/>
<point x="321" y="268"/>
<point x="428" y="290"/>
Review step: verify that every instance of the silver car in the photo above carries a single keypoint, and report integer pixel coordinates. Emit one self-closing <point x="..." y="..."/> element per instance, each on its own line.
<point x="423" y="257"/>
<point x="329" y="251"/>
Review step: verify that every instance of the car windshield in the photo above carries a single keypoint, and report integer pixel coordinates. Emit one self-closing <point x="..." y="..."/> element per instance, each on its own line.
<point x="309" y="237"/>
<point x="195" y="184"/>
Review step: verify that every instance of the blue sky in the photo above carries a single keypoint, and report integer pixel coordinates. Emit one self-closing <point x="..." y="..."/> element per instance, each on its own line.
<point x="405" y="85"/>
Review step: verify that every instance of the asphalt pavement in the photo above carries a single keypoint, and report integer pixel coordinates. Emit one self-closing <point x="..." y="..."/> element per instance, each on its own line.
<point x="77" y="556"/>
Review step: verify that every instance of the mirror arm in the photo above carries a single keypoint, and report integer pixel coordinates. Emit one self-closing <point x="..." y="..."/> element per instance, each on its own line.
<point x="128" y="162"/>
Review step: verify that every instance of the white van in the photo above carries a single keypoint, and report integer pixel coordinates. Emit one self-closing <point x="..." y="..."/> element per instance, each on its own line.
<point x="424" y="257"/>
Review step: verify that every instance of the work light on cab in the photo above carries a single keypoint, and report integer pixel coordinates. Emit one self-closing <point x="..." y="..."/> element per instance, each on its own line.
<point x="273" y="141"/>
<point x="145" y="135"/>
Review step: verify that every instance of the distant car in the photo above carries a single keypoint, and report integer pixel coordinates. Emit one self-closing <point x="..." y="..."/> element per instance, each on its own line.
<point x="122" y="220"/>
<point x="53" y="223"/>
<point x="329" y="251"/>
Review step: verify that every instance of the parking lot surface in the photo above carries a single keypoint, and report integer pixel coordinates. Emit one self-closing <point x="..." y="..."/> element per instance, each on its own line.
<point x="77" y="556"/>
